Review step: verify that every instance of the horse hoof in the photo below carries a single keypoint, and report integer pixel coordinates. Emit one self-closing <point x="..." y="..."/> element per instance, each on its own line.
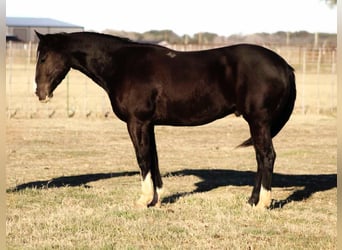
<point x="259" y="207"/>
<point x="252" y="202"/>
<point x="155" y="205"/>
<point x="262" y="205"/>
<point x="140" y="205"/>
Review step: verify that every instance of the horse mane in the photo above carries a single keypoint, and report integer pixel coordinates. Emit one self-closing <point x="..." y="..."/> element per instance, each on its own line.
<point x="106" y="36"/>
<point x="62" y="41"/>
<point x="113" y="38"/>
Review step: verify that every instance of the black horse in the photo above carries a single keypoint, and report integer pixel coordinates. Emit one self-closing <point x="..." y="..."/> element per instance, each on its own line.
<point x="152" y="85"/>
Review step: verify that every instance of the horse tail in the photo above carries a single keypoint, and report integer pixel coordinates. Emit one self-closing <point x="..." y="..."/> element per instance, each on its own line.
<point x="284" y="112"/>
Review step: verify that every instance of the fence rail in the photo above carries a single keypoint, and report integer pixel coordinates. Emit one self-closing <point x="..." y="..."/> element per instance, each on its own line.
<point x="77" y="96"/>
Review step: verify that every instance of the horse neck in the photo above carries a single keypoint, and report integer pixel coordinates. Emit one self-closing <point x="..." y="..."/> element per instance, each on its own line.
<point x="92" y="58"/>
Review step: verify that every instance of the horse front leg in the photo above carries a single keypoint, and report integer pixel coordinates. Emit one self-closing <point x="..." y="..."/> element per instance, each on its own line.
<point x="265" y="156"/>
<point x="142" y="136"/>
<point x="156" y="177"/>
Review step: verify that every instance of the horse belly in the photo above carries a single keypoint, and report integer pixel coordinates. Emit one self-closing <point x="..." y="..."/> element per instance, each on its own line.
<point x="191" y="111"/>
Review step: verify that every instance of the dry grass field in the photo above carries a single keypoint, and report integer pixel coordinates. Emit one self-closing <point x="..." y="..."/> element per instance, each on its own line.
<point x="72" y="184"/>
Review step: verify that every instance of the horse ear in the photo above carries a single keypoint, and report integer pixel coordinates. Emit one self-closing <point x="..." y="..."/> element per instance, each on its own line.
<point x="40" y="36"/>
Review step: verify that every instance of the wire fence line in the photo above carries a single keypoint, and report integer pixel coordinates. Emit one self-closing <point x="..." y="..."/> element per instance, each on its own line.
<point x="78" y="96"/>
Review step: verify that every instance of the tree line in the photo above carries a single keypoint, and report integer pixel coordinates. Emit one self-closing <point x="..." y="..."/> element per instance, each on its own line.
<point x="300" y="38"/>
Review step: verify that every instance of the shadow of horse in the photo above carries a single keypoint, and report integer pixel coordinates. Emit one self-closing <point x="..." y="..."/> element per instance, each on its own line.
<point x="209" y="180"/>
<point x="70" y="181"/>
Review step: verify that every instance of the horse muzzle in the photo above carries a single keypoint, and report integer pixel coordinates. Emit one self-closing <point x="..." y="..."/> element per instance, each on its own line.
<point x="44" y="96"/>
<point x="46" y="100"/>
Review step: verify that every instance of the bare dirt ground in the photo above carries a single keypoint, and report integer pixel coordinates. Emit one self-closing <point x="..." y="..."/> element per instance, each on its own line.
<point x="72" y="183"/>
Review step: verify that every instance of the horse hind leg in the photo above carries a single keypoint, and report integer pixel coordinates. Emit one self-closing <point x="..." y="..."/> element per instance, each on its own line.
<point x="265" y="157"/>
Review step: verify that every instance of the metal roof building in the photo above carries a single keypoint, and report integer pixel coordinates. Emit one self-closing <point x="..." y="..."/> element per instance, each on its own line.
<point x="23" y="28"/>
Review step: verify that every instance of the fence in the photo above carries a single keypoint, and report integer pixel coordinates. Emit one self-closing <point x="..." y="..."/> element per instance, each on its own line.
<point x="78" y="96"/>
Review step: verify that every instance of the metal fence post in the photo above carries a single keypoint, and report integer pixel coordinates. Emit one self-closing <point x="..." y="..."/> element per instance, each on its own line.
<point x="333" y="72"/>
<point x="318" y="70"/>
<point x="67" y="95"/>
<point x="303" y="81"/>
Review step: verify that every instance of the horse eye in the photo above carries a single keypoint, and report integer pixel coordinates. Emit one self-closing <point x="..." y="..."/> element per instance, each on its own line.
<point x="42" y="60"/>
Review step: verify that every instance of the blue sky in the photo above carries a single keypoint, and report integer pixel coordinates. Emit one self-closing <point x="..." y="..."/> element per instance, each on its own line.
<point x="223" y="17"/>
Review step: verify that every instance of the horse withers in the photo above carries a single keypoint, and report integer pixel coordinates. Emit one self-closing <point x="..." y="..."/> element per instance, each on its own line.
<point x="150" y="85"/>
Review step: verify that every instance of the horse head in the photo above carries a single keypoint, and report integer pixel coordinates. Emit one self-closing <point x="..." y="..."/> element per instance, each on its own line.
<point x="52" y="64"/>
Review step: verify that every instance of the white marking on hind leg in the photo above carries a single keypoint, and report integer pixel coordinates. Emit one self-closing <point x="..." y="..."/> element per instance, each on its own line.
<point x="264" y="198"/>
<point x="146" y="191"/>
